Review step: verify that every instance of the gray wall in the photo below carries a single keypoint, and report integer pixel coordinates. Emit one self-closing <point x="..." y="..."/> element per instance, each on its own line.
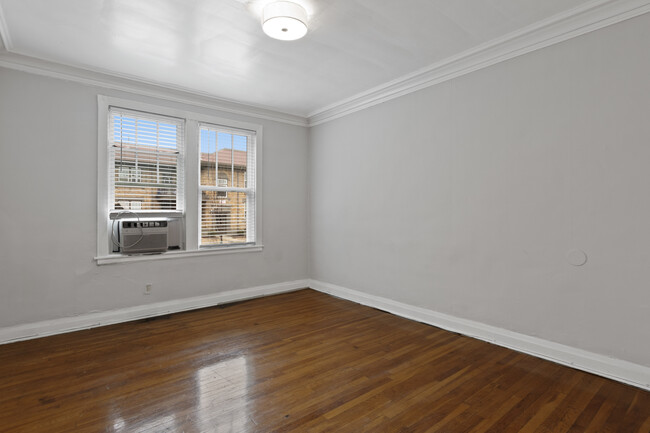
<point x="48" y="205"/>
<point x="465" y="197"/>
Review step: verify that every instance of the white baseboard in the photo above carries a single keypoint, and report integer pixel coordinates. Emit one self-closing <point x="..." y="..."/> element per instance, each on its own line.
<point x="616" y="369"/>
<point x="68" y="324"/>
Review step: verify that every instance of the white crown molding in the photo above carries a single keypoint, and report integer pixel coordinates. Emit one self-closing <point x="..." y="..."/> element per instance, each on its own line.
<point x="86" y="321"/>
<point x="586" y="18"/>
<point x="611" y="368"/>
<point x="142" y="87"/>
<point x="590" y="16"/>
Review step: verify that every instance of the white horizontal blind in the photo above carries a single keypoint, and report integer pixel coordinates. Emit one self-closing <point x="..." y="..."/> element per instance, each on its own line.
<point x="227" y="186"/>
<point x="145" y="168"/>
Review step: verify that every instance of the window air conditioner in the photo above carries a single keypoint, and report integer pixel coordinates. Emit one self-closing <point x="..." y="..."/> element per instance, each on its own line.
<point x="142" y="237"/>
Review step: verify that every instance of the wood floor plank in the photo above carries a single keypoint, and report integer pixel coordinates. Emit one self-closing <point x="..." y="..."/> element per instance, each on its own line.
<point x="298" y="362"/>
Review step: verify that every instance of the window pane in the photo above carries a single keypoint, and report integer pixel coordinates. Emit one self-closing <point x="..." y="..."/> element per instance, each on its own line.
<point x="208" y="157"/>
<point x="224" y="156"/>
<point x="223" y="219"/>
<point x="240" y="160"/>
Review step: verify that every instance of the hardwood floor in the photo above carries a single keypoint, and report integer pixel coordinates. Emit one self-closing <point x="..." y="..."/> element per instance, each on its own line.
<point x="298" y="362"/>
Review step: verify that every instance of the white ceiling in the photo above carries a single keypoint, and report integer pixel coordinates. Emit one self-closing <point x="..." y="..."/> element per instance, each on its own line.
<point x="217" y="47"/>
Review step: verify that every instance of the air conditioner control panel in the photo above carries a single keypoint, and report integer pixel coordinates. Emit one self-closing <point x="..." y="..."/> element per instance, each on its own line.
<point x="143" y="224"/>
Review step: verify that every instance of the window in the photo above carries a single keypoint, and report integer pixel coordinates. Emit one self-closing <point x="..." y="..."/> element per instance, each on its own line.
<point x="227" y="168"/>
<point x="200" y="172"/>
<point x="146" y="155"/>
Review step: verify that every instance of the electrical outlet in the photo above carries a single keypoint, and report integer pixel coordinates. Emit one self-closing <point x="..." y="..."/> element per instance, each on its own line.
<point x="147" y="289"/>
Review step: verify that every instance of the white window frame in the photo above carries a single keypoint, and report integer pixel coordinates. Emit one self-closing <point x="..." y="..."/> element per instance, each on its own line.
<point x="250" y="176"/>
<point x="191" y="214"/>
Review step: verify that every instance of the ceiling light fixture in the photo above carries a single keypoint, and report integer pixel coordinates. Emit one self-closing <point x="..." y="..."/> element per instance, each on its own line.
<point x="284" y="20"/>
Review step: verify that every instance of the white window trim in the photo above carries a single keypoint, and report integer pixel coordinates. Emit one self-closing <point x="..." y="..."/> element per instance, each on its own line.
<point x="192" y="169"/>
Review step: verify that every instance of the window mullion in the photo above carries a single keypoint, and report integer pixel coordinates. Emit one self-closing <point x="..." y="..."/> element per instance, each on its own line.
<point x="192" y="171"/>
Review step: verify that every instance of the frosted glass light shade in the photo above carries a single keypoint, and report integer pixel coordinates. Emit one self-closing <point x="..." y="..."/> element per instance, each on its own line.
<point x="283" y="20"/>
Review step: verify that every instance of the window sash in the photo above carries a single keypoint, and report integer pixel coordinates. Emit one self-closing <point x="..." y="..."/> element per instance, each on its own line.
<point x="226" y="221"/>
<point x="226" y="213"/>
<point x="146" y="162"/>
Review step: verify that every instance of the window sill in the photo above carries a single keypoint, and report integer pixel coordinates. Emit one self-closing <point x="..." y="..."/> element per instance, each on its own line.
<point x="119" y="258"/>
